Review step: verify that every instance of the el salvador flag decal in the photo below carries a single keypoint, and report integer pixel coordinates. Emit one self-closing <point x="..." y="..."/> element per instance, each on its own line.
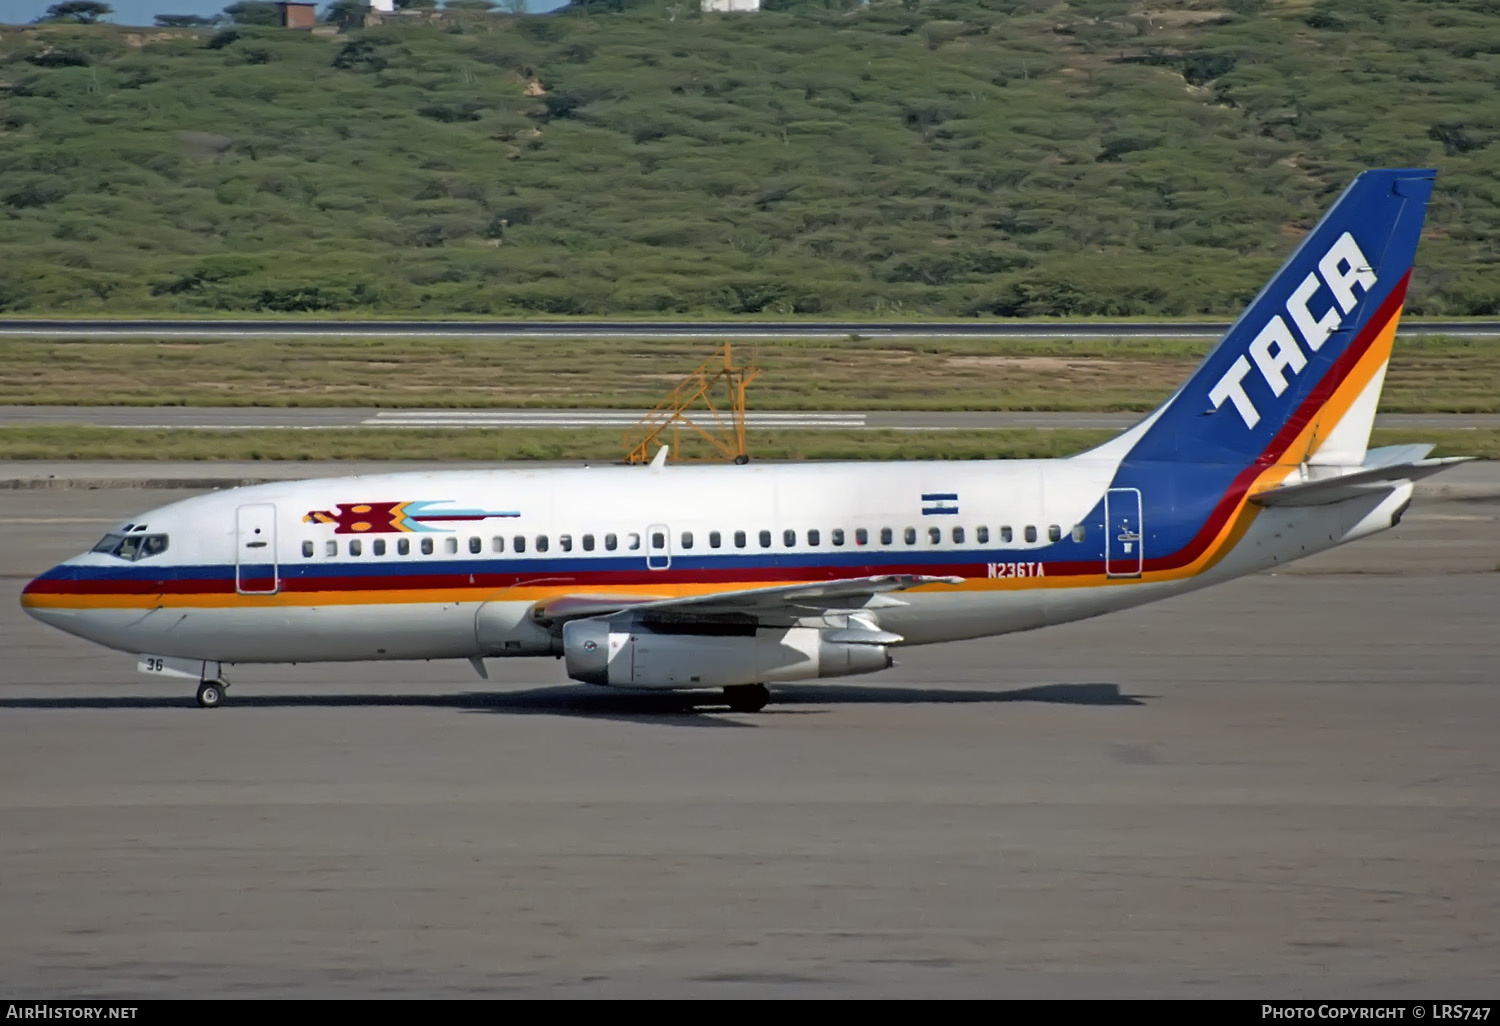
<point x="935" y="504"/>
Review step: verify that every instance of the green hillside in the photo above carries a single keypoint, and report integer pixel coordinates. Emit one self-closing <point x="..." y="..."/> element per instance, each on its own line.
<point x="954" y="157"/>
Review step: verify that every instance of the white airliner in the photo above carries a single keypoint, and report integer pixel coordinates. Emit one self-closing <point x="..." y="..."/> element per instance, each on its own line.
<point x="734" y="577"/>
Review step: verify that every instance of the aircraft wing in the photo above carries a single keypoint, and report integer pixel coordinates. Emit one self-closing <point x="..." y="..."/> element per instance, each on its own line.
<point x="1377" y="478"/>
<point x="793" y="599"/>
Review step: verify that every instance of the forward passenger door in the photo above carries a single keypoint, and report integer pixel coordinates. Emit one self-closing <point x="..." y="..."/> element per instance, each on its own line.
<point x="255" y="571"/>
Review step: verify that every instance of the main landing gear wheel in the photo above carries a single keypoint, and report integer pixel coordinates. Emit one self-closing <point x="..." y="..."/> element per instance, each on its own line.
<point x="210" y="694"/>
<point x="747" y="697"/>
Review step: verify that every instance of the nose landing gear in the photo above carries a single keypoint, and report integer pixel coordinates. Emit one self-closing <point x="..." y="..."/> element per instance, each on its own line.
<point x="211" y="693"/>
<point x="210" y="674"/>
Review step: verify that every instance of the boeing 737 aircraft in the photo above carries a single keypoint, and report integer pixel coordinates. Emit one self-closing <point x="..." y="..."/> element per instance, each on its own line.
<point x="734" y="577"/>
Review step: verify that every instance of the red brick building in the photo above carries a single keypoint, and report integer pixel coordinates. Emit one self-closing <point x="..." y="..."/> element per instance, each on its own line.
<point x="297" y="15"/>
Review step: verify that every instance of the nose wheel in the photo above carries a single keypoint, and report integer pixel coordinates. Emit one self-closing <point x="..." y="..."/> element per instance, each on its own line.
<point x="747" y="697"/>
<point x="211" y="694"/>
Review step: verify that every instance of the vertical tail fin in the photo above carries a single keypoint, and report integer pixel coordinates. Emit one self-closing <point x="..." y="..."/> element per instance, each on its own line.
<point x="1298" y="375"/>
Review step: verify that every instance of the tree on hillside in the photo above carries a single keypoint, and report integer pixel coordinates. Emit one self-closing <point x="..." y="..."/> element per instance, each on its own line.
<point x="468" y="5"/>
<point x="589" y="6"/>
<point x="346" y="14"/>
<point x="85" y="12"/>
<point x="253" y="12"/>
<point x="183" y="21"/>
<point x="515" y="6"/>
<point x="416" y="5"/>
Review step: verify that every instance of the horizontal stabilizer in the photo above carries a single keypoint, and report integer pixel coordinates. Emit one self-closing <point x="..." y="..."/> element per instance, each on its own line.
<point x="1391" y="455"/>
<point x="1327" y="490"/>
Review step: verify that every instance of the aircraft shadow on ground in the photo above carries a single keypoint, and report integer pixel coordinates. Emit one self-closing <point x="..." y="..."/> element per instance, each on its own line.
<point x="687" y="708"/>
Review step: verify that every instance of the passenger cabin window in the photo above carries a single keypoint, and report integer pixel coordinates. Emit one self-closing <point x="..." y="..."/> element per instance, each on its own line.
<point x="739" y="539"/>
<point x="687" y="539"/>
<point x="632" y="541"/>
<point x="588" y="543"/>
<point x="887" y="537"/>
<point x="1079" y="532"/>
<point x="982" y="535"/>
<point x="451" y="545"/>
<point x="958" y="535"/>
<point x="935" y="535"/>
<point x="476" y="546"/>
<point x="836" y="536"/>
<point x="497" y="544"/>
<point x="355" y="548"/>
<point x="658" y="540"/>
<point x="765" y="539"/>
<point x="332" y="549"/>
<point x="1030" y="533"/>
<point x="714" y="539"/>
<point x="1005" y="535"/>
<point x="403" y="546"/>
<point x="861" y="536"/>
<point x="518" y="543"/>
<point x="541" y="543"/>
<point x="378" y="546"/>
<point x="610" y="542"/>
<point x="1054" y="533"/>
<point x="911" y="536"/>
<point x="789" y="538"/>
<point x="426" y="546"/>
<point x="812" y="537"/>
<point x="565" y="542"/>
<point x="307" y="550"/>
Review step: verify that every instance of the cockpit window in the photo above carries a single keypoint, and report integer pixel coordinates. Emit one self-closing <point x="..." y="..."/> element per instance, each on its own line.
<point x="132" y="546"/>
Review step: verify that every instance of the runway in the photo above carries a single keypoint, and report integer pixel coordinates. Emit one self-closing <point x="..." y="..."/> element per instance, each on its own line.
<point x="243" y="418"/>
<point x="501" y="329"/>
<point x="1284" y="787"/>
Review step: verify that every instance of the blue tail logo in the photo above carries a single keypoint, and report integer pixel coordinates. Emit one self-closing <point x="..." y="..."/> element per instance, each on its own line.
<point x="1302" y="335"/>
<point x="1275" y="350"/>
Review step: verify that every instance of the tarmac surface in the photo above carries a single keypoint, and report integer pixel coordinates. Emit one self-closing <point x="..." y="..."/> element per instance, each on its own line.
<point x="1287" y="786"/>
<point x="311" y="418"/>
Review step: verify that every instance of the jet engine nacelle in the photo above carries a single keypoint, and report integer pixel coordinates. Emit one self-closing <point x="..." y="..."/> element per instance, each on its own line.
<point x="633" y="656"/>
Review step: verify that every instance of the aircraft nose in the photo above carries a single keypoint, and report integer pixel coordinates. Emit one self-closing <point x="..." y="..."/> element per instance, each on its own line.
<point x="68" y="596"/>
<point x="32" y="596"/>
<point x="44" y="599"/>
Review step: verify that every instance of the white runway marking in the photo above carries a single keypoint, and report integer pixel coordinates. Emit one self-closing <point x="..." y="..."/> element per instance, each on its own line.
<point x="1081" y="332"/>
<point x="59" y="520"/>
<point x="1450" y="516"/>
<point x="585" y="418"/>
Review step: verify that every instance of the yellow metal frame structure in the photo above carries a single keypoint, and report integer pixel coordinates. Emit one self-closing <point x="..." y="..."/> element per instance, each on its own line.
<point x="727" y="438"/>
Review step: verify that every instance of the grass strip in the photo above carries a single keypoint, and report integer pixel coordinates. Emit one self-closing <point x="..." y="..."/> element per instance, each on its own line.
<point x="1427" y="375"/>
<point x="64" y="442"/>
